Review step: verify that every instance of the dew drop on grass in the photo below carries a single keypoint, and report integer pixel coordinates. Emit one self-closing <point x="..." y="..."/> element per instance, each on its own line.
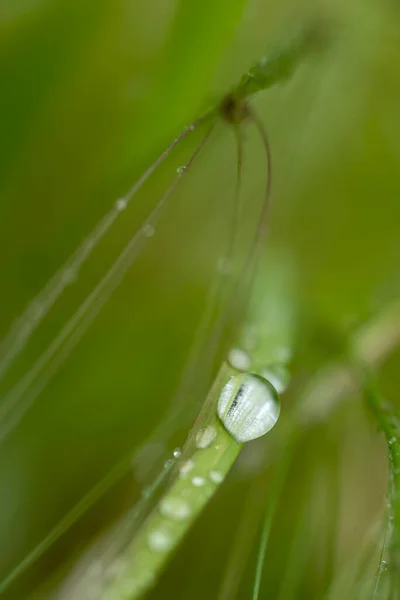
<point x="121" y="204"/>
<point x="198" y="481"/>
<point x="148" y="230"/>
<point x="248" y="406"/>
<point x="239" y="359"/>
<point x="205" y="437"/>
<point x="180" y="171"/>
<point x="159" y="541"/>
<point x="175" y="508"/>
<point x="216" y="477"/>
<point x="177" y="452"/>
<point x="186" y="467"/>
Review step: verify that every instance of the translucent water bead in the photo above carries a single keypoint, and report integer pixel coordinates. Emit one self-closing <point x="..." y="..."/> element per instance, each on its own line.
<point x="248" y="406"/>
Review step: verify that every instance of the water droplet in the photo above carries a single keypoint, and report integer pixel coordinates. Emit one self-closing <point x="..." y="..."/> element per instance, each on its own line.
<point x="191" y="128"/>
<point x="248" y="406"/>
<point x="177" y="452"/>
<point x="384" y="566"/>
<point x="392" y="440"/>
<point x="159" y="541"/>
<point x="174" y="508"/>
<point x="148" y="230"/>
<point x="180" y="171"/>
<point x="278" y="375"/>
<point x="239" y="359"/>
<point x="216" y="477"/>
<point x="121" y="204"/>
<point x="168" y="463"/>
<point x="205" y="437"/>
<point x="198" y="481"/>
<point x="186" y="467"/>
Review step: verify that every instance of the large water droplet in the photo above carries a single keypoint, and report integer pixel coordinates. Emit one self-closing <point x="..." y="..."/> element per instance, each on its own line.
<point x="248" y="406"/>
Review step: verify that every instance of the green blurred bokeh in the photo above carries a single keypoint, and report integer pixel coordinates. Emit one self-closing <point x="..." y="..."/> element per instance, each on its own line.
<point x="90" y="94"/>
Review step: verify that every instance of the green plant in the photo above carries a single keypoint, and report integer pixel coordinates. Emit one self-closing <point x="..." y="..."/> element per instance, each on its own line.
<point x="313" y="422"/>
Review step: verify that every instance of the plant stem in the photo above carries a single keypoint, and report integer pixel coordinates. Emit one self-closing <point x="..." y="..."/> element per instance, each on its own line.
<point x="196" y="482"/>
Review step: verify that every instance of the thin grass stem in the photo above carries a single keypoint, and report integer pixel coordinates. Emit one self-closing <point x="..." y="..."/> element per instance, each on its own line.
<point x="21" y="397"/>
<point x="23" y="328"/>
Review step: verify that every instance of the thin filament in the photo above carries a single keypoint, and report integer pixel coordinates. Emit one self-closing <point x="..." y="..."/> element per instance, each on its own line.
<point x="199" y="353"/>
<point x="25" y="392"/>
<point x="23" y="328"/>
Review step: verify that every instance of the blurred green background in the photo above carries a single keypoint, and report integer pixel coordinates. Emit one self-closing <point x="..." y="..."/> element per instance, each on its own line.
<point x="90" y="94"/>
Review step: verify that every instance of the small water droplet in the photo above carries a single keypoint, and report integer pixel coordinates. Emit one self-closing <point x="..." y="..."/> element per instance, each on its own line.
<point x="248" y="406"/>
<point x="384" y="566"/>
<point x="168" y="463"/>
<point x="205" y="437"/>
<point x="239" y="359"/>
<point x="392" y="440"/>
<point x="148" y="230"/>
<point x="191" y="127"/>
<point x="177" y="452"/>
<point x="159" y="541"/>
<point x="216" y="477"/>
<point x="186" y="467"/>
<point x="175" y="508"/>
<point x="180" y="171"/>
<point x="198" y="481"/>
<point x="121" y="204"/>
<point x="278" y="375"/>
